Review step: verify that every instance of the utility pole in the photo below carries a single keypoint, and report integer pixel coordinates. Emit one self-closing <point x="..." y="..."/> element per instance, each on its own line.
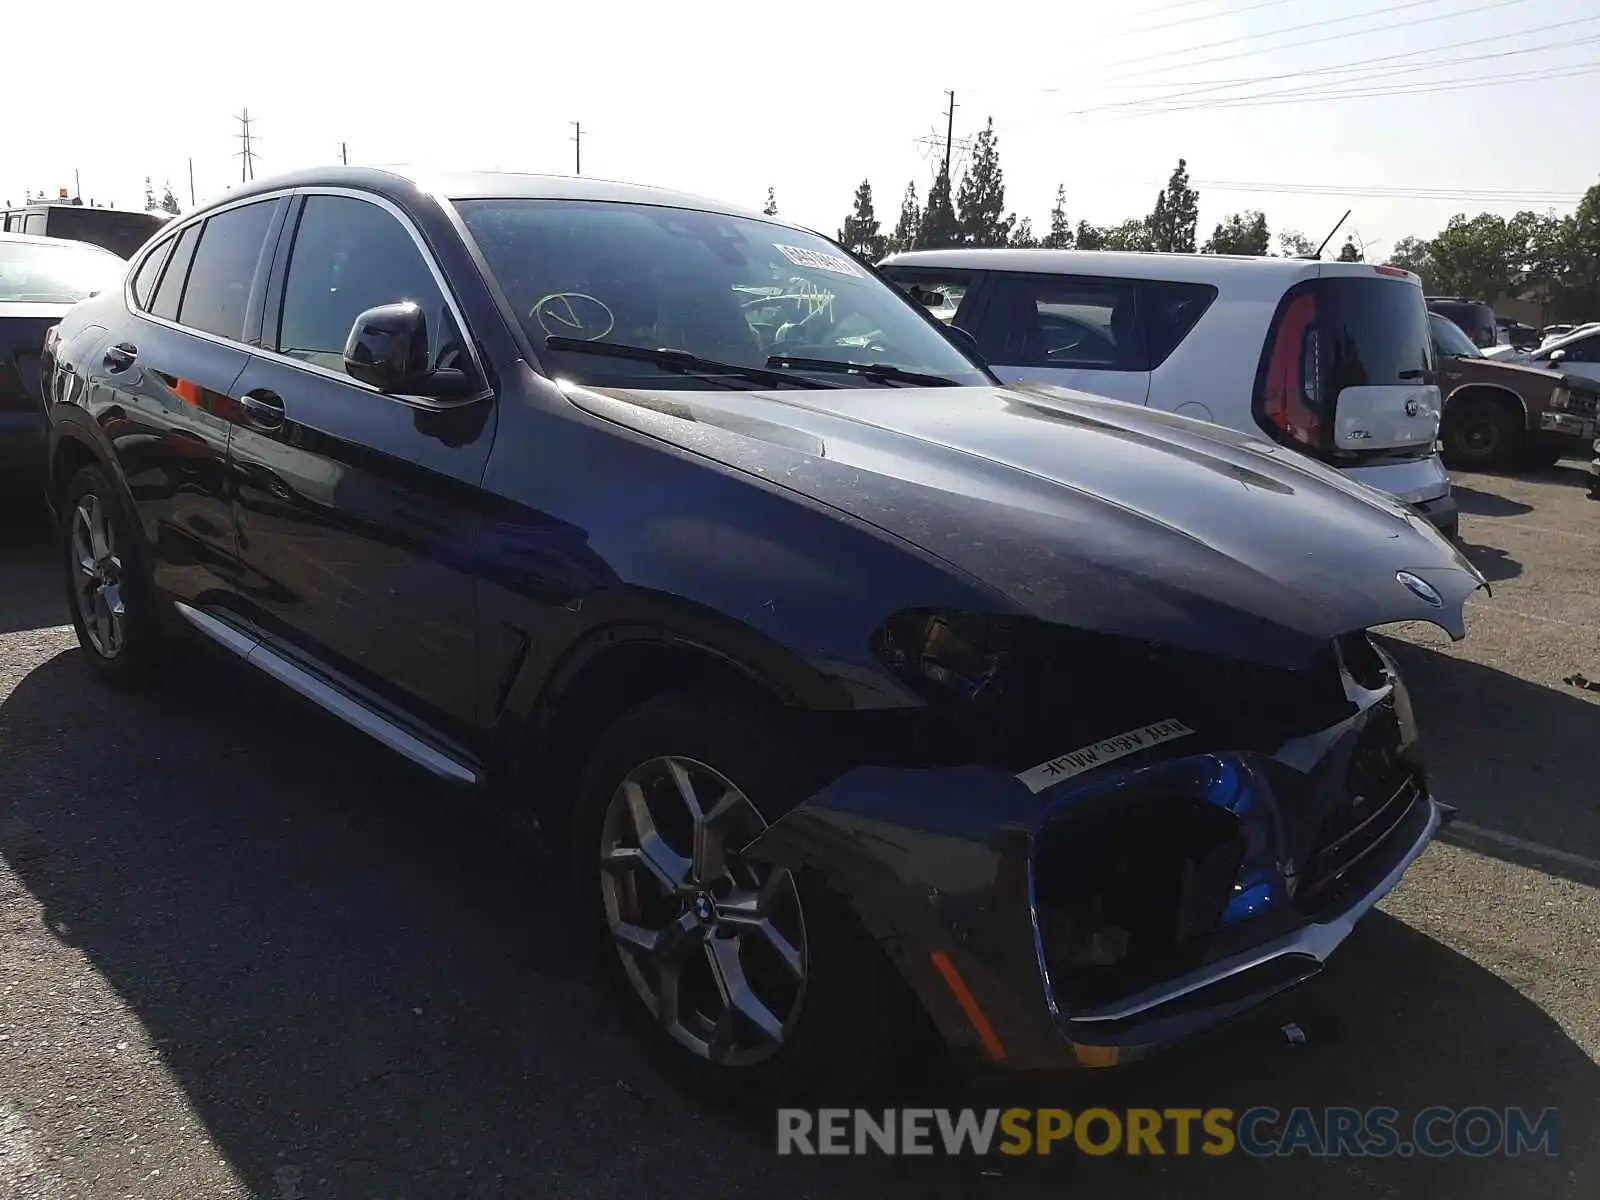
<point x="577" y="148"/>
<point x="344" y="155"/>
<point x="247" y="152"/>
<point x="191" y="183"/>
<point x="949" y="131"/>
<point x="77" y="184"/>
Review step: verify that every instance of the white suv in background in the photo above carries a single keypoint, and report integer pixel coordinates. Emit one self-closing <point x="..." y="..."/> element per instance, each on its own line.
<point x="1332" y="359"/>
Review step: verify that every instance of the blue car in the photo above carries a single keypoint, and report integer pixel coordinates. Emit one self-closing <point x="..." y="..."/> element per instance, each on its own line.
<point x="849" y="682"/>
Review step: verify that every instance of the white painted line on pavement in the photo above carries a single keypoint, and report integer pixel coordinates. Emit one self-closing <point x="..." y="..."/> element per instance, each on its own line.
<point x="1534" y="848"/>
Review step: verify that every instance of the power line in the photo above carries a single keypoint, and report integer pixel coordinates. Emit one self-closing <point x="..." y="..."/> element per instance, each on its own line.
<point x="1302" y="96"/>
<point x="1332" y="37"/>
<point x="1212" y="16"/>
<point x="1385" y="192"/>
<point x="1358" y="68"/>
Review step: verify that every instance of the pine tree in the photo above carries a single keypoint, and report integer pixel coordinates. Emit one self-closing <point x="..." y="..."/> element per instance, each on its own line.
<point x="1022" y="236"/>
<point x="169" y="202"/>
<point x="1060" y="235"/>
<point x="1090" y="237"/>
<point x="860" y="232"/>
<point x="770" y="208"/>
<point x="904" y="236"/>
<point x="939" y="227"/>
<point x="981" y="200"/>
<point x="1177" y="214"/>
<point x="1350" y="252"/>
<point x="149" y="195"/>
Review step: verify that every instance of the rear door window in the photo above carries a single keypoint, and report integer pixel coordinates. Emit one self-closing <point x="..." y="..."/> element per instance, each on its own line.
<point x="224" y="270"/>
<point x="144" y="283"/>
<point x="1063" y="321"/>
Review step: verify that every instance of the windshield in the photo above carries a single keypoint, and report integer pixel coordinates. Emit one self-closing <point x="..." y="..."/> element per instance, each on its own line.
<point x="55" y="273"/>
<point x="727" y="289"/>
<point x="1451" y="341"/>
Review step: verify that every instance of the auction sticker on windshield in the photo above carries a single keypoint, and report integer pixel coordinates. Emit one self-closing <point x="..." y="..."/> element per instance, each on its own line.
<point x="1086" y="758"/>
<point x="817" y="260"/>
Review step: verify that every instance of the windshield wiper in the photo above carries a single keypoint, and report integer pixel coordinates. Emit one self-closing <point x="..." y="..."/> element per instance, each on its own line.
<point x="877" y="372"/>
<point x="678" y="360"/>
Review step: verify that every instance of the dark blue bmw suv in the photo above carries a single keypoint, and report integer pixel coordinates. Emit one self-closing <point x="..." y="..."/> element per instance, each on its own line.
<point x="844" y="676"/>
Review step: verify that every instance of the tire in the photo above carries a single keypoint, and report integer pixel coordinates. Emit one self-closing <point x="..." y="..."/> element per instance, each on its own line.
<point x="1481" y="434"/>
<point x="824" y="1031"/>
<point x="103" y="573"/>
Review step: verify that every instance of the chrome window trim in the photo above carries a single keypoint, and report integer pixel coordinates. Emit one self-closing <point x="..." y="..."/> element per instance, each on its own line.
<point x="372" y="198"/>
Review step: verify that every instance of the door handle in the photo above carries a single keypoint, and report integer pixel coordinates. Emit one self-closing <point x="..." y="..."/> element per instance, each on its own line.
<point x="263" y="407"/>
<point x="120" y="357"/>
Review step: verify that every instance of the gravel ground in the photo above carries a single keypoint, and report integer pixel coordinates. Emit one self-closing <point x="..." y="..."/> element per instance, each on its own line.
<point x="243" y="953"/>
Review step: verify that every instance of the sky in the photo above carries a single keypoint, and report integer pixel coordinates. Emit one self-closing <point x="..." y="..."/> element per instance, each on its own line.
<point x="728" y="99"/>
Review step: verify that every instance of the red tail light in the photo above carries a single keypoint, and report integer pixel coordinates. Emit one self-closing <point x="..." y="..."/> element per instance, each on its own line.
<point x="1290" y="397"/>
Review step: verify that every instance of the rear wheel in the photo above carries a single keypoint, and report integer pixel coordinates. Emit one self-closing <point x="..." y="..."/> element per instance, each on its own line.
<point x="107" y="593"/>
<point x="751" y="983"/>
<point x="1480" y="434"/>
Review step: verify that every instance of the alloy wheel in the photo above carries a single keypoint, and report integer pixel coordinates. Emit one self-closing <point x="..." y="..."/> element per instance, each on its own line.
<point x="98" y="577"/>
<point x="714" y="945"/>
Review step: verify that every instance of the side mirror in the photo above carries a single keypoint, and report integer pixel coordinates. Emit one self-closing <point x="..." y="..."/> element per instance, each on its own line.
<point x="1557" y="356"/>
<point x="388" y="347"/>
<point x="926" y="298"/>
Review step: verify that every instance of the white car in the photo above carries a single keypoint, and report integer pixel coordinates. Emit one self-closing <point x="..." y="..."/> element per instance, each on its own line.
<point x="1331" y="359"/>
<point x="1575" y="353"/>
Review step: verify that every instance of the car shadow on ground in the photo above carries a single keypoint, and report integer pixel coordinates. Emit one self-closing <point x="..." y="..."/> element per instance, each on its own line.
<point x="1487" y="504"/>
<point x="1495" y="564"/>
<point x="1516" y="757"/>
<point x="33" y="595"/>
<point x="350" y="976"/>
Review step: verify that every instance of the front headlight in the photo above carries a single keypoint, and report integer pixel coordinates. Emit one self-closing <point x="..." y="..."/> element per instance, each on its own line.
<point x="955" y="654"/>
<point x="1560" y="398"/>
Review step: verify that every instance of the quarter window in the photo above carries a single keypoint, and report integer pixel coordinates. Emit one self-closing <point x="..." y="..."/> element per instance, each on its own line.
<point x="350" y="255"/>
<point x="1042" y="321"/>
<point x="170" y="290"/>
<point x="224" y="270"/>
<point x="144" y="283"/>
<point x="940" y="293"/>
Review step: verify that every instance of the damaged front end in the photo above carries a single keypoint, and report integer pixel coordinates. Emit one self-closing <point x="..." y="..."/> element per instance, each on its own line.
<point x="1083" y="846"/>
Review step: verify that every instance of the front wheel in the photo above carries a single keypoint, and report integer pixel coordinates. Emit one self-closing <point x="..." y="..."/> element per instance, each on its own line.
<point x="1480" y="434"/>
<point x="749" y="982"/>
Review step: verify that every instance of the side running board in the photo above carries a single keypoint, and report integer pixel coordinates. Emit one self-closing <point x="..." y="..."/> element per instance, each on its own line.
<point x="341" y="703"/>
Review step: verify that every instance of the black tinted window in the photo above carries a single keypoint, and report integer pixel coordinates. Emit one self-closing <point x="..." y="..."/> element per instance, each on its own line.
<point x="144" y="283"/>
<point x="1045" y="321"/>
<point x="940" y="292"/>
<point x="1170" y="312"/>
<point x="1584" y="350"/>
<point x="170" y="290"/>
<point x="1370" y="333"/>
<point x="350" y="256"/>
<point x="224" y="269"/>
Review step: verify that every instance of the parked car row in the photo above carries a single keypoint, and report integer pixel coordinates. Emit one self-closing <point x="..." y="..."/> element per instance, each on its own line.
<point x="850" y="679"/>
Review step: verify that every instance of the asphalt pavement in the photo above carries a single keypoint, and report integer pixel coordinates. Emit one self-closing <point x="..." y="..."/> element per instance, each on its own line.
<point x="243" y="952"/>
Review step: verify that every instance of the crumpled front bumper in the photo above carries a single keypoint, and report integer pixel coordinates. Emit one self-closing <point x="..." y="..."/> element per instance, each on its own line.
<point x="940" y="866"/>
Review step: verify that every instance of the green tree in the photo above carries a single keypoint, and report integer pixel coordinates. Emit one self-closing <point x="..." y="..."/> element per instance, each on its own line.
<point x="1350" y="252"/>
<point x="1241" y="233"/>
<point x="1132" y="234"/>
<point x="149" y="195"/>
<point x="1415" y="254"/>
<point x="1022" y="236"/>
<point x="770" y="208"/>
<point x="1537" y="244"/>
<point x="1471" y="257"/>
<point x="860" y="232"/>
<point x="169" y="202"/>
<point x="904" y="236"/>
<point x="939" y="227"/>
<point x="1577" y="289"/>
<point x="1173" y="224"/>
<point x="1060" y="235"/>
<point x="1294" y="244"/>
<point x="981" y="199"/>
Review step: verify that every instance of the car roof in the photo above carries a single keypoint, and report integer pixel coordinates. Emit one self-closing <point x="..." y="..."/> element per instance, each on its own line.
<point x="1124" y="263"/>
<point x="34" y="239"/>
<point x="485" y="185"/>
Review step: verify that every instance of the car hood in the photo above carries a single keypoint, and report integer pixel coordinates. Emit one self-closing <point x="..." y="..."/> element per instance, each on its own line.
<point x="1087" y="512"/>
<point x="1509" y="371"/>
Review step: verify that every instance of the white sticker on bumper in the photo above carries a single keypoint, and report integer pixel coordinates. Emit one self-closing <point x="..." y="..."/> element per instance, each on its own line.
<point x="1086" y="758"/>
